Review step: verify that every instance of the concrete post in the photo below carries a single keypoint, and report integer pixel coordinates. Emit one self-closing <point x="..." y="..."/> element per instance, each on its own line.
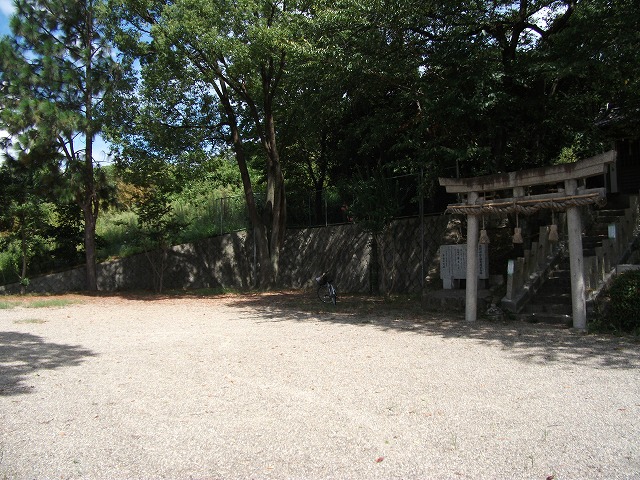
<point x="543" y="240"/>
<point x="606" y="256"/>
<point x="541" y="249"/>
<point x="511" y="286"/>
<point x="590" y="277"/>
<point x="519" y="274"/>
<point x="533" y="256"/>
<point x="526" y="256"/>
<point x="574" y="230"/>
<point x="471" y="291"/>
<point x="600" y="270"/>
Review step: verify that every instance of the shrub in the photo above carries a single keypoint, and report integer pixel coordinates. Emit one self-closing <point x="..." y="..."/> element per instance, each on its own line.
<point x="9" y="261"/>
<point x="622" y="312"/>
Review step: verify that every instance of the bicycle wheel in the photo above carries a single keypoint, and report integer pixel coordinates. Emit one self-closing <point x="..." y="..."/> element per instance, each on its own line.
<point x="333" y="293"/>
<point x="324" y="293"/>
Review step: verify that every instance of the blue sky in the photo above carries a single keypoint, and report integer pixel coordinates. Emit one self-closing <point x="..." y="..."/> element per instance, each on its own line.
<point x="6" y="8"/>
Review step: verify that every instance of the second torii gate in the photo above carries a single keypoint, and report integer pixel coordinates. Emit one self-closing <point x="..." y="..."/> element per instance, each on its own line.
<point x="569" y="200"/>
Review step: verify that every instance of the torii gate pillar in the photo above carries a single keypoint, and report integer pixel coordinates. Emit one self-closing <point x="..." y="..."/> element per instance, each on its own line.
<point x="576" y="259"/>
<point x="471" y="292"/>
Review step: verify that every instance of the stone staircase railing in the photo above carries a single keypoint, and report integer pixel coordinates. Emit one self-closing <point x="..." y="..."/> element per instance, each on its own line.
<point x="620" y="247"/>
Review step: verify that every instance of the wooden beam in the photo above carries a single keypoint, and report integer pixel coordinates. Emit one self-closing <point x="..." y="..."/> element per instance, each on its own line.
<point x="588" y="167"/>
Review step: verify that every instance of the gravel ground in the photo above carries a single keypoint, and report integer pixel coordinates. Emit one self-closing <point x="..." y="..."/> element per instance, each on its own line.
<point x="277" y="386"/>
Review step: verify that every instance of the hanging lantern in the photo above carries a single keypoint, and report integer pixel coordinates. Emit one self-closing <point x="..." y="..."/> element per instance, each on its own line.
<point x="553" y="228"/>
<point x="517" y="232"/>
<point x="517" y="235"/>
<point x="484" y="237"/>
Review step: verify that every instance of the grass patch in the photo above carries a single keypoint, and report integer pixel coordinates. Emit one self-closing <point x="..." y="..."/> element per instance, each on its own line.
<point x="30" y="321"/>
<point x="7" y="305"/>
<point x="47" y="303"/>
<point x="27" y="301"/>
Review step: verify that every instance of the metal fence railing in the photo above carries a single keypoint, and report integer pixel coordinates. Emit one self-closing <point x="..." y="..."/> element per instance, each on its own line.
<point x="328" y="206"/>
<point x="331" y="206"/>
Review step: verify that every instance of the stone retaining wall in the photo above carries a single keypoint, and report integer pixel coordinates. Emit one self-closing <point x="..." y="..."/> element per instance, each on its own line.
<point x="228" y="261"/>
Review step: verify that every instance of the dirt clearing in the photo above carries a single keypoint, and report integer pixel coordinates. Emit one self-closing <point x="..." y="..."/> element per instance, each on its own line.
<point x="280" y="386"/>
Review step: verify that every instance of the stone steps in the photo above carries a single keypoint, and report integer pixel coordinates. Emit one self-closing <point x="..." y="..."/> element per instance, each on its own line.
<point x="553" y="299"/>
<point x="560" y="319"/>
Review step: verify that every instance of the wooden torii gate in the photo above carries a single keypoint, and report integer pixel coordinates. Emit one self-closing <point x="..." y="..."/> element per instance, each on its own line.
<point x="570" y="200"/>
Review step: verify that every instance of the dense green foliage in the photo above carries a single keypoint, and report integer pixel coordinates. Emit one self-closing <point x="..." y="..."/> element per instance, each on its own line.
<point x="194" y="201"/>
<point x="204" y="200"/>
<point x="621" y="305"/>
<point x="277" y="100"/>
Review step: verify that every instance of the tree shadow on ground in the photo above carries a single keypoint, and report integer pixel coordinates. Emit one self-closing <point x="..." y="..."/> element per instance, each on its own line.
<point x="530" y="343"/>
<point x="23" y="353"/>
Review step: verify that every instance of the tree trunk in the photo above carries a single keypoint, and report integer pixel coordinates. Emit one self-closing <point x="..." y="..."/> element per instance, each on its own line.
<point x="270" y="230"/>
<point x="386" y="266"/>
<point x="261" y="238"/>
<point x="90" y="212"/>
<point x="317" y="209"/>
<point x="374" y="268"/>
<point x="90" y="247"/>
<point x="23" y="274"/>
<point x="90" y="204"/>
<point x="158" y="266"/>
<point x="276" y="199"/>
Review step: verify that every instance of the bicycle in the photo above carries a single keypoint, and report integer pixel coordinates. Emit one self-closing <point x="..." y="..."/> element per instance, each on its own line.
<point x="326" y="291"/>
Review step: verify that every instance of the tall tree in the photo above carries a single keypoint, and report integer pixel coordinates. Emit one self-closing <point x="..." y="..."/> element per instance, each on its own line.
<point x="595" y="63"/>
<point x="451" y="83"/>
<point x="363" y="77"/>
<point x="218" y="66"/>
<point x="56" y="67"/>
<point x="531" y="77"/>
